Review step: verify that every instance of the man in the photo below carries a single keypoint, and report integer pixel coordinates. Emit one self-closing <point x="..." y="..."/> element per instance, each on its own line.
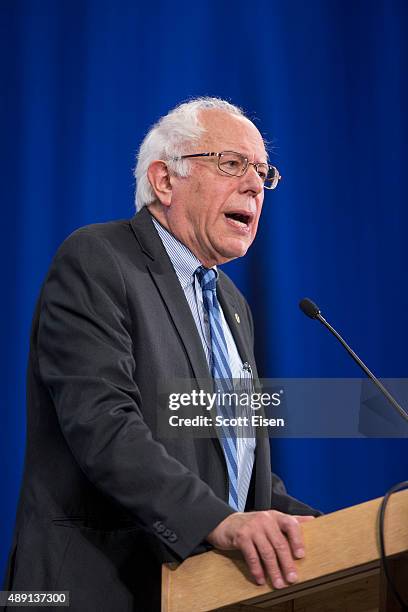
<point x="104" y="500"/>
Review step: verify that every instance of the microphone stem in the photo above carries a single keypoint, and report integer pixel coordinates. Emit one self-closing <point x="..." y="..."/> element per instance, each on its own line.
<point x="364" y="367"/>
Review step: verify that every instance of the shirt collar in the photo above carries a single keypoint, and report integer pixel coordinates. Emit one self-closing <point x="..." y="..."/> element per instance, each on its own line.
<point x="185" y="263"/>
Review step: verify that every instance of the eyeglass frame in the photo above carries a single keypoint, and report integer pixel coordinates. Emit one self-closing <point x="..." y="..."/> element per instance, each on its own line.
<point x="248" y="163"/>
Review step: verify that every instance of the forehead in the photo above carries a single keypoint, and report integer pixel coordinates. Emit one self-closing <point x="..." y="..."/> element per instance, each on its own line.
<point x="226" y="132"/>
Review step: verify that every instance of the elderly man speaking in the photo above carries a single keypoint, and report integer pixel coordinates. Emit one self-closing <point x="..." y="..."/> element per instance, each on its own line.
<point x="105" y="501"/>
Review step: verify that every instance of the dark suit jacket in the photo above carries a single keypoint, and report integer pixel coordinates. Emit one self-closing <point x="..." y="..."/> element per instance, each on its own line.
<point x="104" y="501"/>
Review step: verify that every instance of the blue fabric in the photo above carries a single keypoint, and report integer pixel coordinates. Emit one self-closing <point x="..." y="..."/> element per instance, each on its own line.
<point x="82" y="81"/>
<point x="221" y="372"/>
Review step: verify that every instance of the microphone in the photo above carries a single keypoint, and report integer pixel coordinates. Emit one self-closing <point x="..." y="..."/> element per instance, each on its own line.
<point x="310" y="309"/>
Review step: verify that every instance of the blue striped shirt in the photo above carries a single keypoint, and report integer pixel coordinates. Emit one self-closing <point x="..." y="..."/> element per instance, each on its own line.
<point x="185" y="264"/>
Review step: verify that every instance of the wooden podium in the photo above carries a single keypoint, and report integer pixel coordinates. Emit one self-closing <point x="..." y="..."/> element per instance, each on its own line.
<point x="340" y="573"/>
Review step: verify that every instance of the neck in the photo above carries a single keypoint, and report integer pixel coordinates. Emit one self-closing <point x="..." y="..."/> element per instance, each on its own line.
<point x="159" y="213"/>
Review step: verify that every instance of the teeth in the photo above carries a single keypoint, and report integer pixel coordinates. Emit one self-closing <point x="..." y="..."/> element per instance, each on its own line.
<point x="239" y="223"/>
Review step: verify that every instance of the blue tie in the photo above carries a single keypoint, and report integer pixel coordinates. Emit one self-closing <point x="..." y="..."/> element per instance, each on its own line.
<point x="221" y="371"/>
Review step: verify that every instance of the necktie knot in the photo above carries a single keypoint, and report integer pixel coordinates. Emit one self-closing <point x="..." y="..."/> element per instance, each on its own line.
<point x="207" y="278"/>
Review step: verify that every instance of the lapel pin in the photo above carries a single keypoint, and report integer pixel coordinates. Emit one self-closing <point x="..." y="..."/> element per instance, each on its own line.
<point x="237" y="318"/>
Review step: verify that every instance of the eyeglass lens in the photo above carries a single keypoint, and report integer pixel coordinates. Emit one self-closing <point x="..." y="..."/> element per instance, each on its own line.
<point x="236" y="164"/>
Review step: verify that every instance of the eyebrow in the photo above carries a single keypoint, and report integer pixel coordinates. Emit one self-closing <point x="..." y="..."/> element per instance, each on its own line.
<point x="247" y="157"/>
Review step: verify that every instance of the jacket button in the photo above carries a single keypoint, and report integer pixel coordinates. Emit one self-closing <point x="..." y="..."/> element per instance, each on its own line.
<point x="158" y="526"/>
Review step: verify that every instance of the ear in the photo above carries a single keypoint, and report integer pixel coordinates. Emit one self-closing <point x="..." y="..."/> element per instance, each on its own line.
<point x="160" y="180"/>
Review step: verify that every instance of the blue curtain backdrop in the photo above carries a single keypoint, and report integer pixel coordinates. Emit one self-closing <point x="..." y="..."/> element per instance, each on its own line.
<point x="82" y="81"/>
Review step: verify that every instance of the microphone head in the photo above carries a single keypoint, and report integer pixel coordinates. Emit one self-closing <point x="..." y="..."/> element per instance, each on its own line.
<point x="309" y="308"/>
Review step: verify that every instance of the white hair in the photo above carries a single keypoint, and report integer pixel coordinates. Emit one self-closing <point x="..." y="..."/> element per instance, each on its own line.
<point x="168" y="138"/>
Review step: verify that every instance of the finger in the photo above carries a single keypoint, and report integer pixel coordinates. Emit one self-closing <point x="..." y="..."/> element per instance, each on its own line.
<point x="291" y="527"/>
<point x="269" y="560"/>
<point x="283" y="554"/>
<point x="304" y="519"/>
<point x="253" y="561"/>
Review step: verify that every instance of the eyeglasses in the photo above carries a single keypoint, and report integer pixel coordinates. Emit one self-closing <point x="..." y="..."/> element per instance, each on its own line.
<point x="236" y="164"/>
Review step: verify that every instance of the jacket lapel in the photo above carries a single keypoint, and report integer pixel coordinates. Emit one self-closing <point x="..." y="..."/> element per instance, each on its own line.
<point x="168" y="285"/>
<point x="172" y="294"/>
<point x="233" y="316"/>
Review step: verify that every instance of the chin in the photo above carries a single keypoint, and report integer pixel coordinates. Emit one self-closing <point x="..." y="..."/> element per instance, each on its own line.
<point x="233" y="253"/>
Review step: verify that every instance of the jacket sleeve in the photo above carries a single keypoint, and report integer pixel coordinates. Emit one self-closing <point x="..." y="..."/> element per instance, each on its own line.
<point x="284" y="502"/>
<point x="86" y="361"/>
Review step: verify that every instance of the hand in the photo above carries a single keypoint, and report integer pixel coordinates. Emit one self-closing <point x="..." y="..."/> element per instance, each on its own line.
<point x="268" y="540"/>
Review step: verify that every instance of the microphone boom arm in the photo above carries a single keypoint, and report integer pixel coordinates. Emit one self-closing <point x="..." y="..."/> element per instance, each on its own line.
<point x="363" y="366"/>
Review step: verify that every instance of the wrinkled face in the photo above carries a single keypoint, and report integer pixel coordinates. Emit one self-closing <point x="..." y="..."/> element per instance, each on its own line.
<point x="214" y="214"/>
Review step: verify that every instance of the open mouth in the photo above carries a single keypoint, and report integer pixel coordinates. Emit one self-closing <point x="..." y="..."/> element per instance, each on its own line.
<point x="242" y="219"/>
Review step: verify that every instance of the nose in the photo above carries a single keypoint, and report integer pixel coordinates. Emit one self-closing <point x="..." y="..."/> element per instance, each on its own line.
<point x="251" y="181"/>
